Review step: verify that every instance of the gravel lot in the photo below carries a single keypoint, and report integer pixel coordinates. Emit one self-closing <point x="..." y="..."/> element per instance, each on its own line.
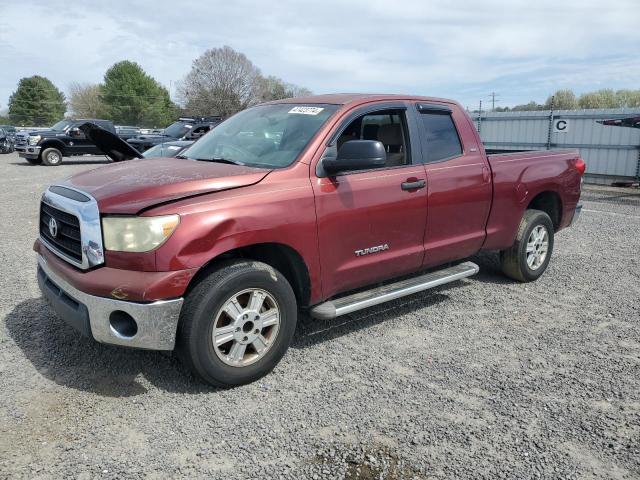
<point x="484" y="378"/>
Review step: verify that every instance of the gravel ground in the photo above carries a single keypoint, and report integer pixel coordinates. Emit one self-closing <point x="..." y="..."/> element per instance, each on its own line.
<point x="485" y="378"/>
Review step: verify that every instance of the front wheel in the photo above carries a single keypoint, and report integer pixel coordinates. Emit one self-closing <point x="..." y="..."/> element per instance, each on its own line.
<point x="51" y="157"/>
<point x="237" y="323"/>
<point x="529" y="256"/>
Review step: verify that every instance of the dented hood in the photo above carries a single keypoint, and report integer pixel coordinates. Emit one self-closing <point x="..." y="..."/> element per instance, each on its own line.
<point x="128" y="187"/>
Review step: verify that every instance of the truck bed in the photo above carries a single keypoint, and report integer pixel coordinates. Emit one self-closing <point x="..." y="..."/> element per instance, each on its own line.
<point x="518" y="178"/>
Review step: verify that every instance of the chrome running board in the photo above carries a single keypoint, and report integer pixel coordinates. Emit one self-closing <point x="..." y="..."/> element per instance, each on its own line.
<point x="357" y="301"/>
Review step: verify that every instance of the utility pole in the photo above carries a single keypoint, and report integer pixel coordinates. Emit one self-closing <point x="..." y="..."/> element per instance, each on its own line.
<point x="480" y="116"/>
<point x="493" y="96"/>
<point x="550" y="127"/>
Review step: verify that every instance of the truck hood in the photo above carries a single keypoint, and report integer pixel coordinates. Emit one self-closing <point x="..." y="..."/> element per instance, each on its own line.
<point x="129" y="187"/>
<point x="44" y="133"/>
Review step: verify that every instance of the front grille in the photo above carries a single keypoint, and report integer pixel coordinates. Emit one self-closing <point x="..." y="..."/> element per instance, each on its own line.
<point x="21" y="141"/>
<point x="67" y="239"/>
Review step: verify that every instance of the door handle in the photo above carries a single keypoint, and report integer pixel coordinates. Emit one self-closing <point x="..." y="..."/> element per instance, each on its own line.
<point x="415" y="185"/>
<point x="485" y="175"/>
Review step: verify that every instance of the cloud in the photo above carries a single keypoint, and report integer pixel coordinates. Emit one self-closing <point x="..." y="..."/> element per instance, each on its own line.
<point x="462" y="49"/>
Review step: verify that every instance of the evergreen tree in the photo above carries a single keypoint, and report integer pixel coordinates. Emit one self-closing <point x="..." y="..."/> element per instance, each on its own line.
<point x="36" y="102"/>
<point x="132" y="97"/>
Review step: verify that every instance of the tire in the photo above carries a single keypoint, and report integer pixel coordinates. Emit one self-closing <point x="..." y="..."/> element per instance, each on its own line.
<point x="34" y="161"/>
<point x="524" y="266"/>
<point x="229" y="364"/>
<point x="51" y="157"/>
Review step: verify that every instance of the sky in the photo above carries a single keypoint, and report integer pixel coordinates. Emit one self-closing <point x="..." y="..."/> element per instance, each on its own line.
<point x="466" y="49"/>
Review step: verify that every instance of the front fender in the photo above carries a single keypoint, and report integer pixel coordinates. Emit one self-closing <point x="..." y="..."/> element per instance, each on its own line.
<point x="52" y="143"/>
<point x="279" y="212"/>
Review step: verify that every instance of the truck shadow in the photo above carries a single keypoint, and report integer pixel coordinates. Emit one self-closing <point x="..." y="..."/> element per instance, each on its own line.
<point x="310" y="331"/>
<point x="490" y="271"/>
<point x="62" y="355"/>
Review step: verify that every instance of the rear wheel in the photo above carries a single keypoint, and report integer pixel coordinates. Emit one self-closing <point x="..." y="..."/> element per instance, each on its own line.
<point x="51" y="157"/>
<point x="237" y="323"/>
<point x="529" y="256"/>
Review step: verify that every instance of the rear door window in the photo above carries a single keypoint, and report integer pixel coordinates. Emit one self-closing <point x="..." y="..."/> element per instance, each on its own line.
<point x="442" y="137"/>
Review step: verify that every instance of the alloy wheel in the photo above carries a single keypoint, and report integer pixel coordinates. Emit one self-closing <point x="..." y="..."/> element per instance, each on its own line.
<point x="245" y="328"/>
<point x="537" y="247"/>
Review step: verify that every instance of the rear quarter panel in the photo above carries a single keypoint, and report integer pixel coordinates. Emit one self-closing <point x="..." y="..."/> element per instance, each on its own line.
<point x="518" y="178"/>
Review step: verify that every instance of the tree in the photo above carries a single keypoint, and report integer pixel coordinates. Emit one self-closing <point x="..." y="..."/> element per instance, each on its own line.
<point x="628" y="98"/>
<point x="132" y="97"/>
<point x="562" y="100"/>
<point x="37" y="102"/>
<point x="85" y="100"/>
<point x="605" y="98"/>
<point x="531" y="106"/>
<point x="274" y="88"/>
<point x="221" y="82"/>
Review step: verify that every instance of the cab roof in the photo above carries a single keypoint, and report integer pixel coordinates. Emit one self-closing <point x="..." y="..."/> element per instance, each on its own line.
<point x="356" y="98"/>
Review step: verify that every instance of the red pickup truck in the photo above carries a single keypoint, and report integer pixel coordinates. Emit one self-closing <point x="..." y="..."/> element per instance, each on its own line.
<point x="319" y="203"/>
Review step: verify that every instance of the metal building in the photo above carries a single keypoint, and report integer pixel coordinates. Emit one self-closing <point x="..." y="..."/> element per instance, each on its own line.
<point x="612" y="152"/>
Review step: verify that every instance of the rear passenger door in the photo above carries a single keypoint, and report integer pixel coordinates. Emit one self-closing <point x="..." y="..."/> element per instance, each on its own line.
<point x="371" y="223"/>
<point x="458" y="183"/>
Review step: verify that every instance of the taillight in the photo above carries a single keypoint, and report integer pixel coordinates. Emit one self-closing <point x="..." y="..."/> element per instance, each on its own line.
<point x="580" y="165"/>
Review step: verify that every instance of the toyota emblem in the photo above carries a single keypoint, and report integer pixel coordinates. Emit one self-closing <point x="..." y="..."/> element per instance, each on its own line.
<point x="53" y="227"/>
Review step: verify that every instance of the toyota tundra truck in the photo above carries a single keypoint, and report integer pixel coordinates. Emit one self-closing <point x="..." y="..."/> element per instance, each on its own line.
<point x="326" y="204"/>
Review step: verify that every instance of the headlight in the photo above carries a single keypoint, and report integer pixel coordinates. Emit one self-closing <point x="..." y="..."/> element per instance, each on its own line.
<point x="34" y="139"/>
<point x="137" y="234"/>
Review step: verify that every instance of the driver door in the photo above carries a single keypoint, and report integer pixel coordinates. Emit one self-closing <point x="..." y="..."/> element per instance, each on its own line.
<point x="370" y="226"/>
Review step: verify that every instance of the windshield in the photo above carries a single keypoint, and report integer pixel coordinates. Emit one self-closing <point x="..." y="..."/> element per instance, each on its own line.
<point x="61" y="126"/>
<point x="265" y="136"/>
<point x="177" y="129"/>
<point x="163" y="150"/>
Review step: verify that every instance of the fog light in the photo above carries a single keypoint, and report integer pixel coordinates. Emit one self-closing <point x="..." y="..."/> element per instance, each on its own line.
<point x="122" y="324"/>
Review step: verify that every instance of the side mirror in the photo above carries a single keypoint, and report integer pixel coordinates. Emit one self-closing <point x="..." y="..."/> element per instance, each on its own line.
<point x="357" y="155"/>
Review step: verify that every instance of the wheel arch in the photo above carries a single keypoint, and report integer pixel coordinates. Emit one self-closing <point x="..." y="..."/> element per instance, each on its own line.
<point x="549" y="202"/>
<point x="280" y="256"/>
<point x="52" y="143"/>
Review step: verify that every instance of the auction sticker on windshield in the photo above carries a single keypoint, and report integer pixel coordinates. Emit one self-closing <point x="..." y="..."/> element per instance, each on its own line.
<point x="306" y="110"/>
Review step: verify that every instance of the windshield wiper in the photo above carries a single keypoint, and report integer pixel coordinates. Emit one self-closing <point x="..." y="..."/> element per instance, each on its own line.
<point x="183" y="157"/>
<point x="220" y="160"/>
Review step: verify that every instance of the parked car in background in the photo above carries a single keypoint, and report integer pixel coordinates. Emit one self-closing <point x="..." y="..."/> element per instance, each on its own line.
<point x="151" y="131"/>
<point x="292" y="204"/>
<point x="168" y="149"/>
<point x="10" y="130"/>
<point x="64" y="139"/>
<point x="186" y="128"/>
<point x="6" y="140"/>
<point x="126" y="132"/>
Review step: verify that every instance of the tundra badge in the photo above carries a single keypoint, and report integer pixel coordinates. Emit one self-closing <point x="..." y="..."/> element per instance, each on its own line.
<point x="369" y="250"/>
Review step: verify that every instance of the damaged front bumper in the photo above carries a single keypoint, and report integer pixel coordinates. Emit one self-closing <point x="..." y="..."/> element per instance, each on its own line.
<point x="151" y="325"/>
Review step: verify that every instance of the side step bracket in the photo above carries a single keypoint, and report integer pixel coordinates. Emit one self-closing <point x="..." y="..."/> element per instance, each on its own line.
<point x="368" y="298"/>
